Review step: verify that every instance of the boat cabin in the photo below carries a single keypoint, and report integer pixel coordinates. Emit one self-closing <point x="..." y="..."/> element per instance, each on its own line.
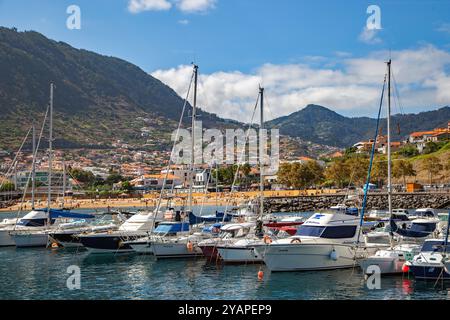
<point x="329" y="226"/>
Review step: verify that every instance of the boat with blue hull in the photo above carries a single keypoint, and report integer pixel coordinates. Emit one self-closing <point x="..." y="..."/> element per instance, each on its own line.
<point x="429" y="263"/>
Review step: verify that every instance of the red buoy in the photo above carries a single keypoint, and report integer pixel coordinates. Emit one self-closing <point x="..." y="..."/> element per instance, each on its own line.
<point x="405" y="268"/>
<point x="260" y="275"/>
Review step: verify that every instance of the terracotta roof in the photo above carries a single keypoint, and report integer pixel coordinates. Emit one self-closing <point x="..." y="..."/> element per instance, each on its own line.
<point x="421" y="133"/>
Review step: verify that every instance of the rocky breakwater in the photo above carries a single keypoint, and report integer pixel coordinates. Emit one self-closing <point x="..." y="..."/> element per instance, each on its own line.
<point x="374" y="201"/>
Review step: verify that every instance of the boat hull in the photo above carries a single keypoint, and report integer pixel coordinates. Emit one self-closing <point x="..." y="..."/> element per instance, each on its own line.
<point x="30" y="240"/>
<point x="429" y="272"/>
<point x="106" y="244"/>
<point x="5" y="239"/>
<point x="239" y="255"/>
<point x="175" y="250"/>
<point x="305" y="257"/>
<point x="142" y="247"/>
<point x="67" y="240"/>
<point x="386" y="265"/>
<point x="210" y="252"/>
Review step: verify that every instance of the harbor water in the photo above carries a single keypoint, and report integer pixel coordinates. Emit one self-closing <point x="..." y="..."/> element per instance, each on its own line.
<point x="43" y="274"/>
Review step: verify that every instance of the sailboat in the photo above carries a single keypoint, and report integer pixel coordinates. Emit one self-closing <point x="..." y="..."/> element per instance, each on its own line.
<point x="38" y="237"/>
<point x="34" y="220"/>
<point x="392" y="260"/>
<point x="185" y="246"/>
<point x="242" y="250"/>
<point x="328" y="240"/>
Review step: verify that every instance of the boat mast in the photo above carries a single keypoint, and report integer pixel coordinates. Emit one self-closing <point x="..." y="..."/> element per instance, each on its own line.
<point x="389" y="186"/>
<point x="261" y="153"/>
<point x="50" y="156"/>
<point x="194" y="107"/>
<point x="64" y="183"/>
<point x="33" y="169"/>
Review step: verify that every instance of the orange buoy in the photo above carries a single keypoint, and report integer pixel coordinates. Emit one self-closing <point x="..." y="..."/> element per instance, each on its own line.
<point x="190" y="246"/>
<point x="54" y="245"/>
<point x="260" y="275"/>
<point x="405" y="268"/>
<point x="267" y="239"/>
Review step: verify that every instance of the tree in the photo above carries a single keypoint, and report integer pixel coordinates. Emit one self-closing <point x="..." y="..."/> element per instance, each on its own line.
<point x="380" y="170"/>
<point x="447" y="167"/>
<point x="85" y="177"/>
<point x="409" y="151"/>
<point x="431" y="147"/>
<point x="403" y="169"/>
<point x="317" y="172"/>
<point x="358" y="167"/>
<point x="433" y="166"/>
<point x="338" y="172"/>
<point x="7" y="186"/>
<point x="284" y="174"/>
<point x="113" y="178"/>
<point x="350" y="151"/>
<point x="126" y="185"/>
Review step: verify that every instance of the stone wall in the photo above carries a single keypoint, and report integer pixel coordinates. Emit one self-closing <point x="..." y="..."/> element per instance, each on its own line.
<point x="374" y="201"/>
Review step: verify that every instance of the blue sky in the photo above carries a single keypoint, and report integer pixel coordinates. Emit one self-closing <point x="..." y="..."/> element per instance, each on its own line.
<point x="239" y="43"/>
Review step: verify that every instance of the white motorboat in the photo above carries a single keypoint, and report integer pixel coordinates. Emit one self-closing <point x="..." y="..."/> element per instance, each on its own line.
<point x="25" y="237"/>
<point x="241" y="251"/>
<point x="424" y="213"/>
<point x="134" y="228"/>
<point x="34" y="220"/>
<point x="392" y="260"/>
<point x="164" y="230"/>
<point x="431" y="262"/>
<point x="229" y="233"/>
<point x="325" y="241"/>
<point x="179" y="247"/>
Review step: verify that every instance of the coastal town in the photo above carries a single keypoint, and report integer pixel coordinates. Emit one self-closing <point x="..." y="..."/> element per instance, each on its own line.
<point x="125" y="172"/>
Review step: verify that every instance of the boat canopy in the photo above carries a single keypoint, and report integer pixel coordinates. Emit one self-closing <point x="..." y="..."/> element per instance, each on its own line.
<point x="171" y="228"/>
<point x="212" y="228"/>
<point x="218" y="217"/>
<point x="418" y="229"/>
<point x="54" y="214"/>
<point x="435" y="245"/>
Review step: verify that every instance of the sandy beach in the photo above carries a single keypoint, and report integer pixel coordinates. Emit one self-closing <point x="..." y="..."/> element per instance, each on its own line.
<point x="151" y="200"/>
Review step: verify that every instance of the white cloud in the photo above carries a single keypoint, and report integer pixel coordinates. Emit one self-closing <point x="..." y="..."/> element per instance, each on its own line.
<point x="195" y="5"/>
<point x="369" y="36"/>
<point x="444" y="27"/>
<point x="422" y="76"/>
<point x="187" y="6"/>
<point x="183" y="22"/>
<point x="136" y="6"/>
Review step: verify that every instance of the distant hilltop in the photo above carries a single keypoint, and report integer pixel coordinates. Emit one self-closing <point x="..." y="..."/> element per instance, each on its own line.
<point x="322" y="125"/>
<point x="101" y="99"/>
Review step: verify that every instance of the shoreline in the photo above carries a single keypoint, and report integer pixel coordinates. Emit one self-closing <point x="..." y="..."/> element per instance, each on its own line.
<point x="151" y="200"/>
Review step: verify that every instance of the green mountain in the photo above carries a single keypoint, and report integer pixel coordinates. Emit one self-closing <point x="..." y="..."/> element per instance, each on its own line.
<point x="101" y="99"/>
<point x="98" y="99"/>
<point x="321" y="125"/>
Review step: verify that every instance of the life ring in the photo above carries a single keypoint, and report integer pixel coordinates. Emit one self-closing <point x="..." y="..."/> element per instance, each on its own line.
<point x="296" y="240"/>
<point x="267" y="240"/>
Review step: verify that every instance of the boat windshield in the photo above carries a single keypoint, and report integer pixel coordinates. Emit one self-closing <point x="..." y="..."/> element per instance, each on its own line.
<point x="334" y="232"/>
<point x="435" y="246"/>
